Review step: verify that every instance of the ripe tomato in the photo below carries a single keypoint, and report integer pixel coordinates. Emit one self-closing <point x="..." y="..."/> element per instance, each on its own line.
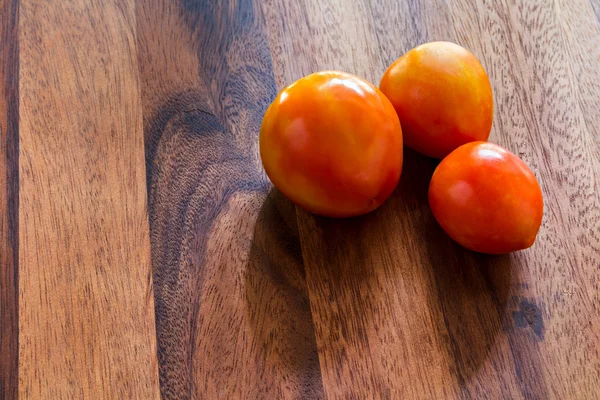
<point x="332" y="143"/>
<point x="486" y="199"/>
<point x="443" y="97"/>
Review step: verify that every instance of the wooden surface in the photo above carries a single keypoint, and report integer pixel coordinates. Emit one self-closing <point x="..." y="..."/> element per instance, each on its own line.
<point x="189" y="276"/>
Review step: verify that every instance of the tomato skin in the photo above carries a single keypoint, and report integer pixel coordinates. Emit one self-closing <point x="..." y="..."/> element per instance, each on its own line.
<point x="332" y="143"/>
<point x="486" y="199"/>
<point x="443" y="97"/>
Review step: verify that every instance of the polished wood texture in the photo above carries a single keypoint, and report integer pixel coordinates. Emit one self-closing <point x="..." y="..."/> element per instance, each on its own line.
<point x="143" y="250"/>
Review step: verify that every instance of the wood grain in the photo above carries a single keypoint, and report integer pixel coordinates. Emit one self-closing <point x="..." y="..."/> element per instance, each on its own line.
<point x="143" y="251"/>
<point x="9" y="184"/>
<point x="232" y="311"/>
<point x="86" y="310"/>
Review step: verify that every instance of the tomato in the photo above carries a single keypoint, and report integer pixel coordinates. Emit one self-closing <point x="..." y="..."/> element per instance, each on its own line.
<point x="486" y="199"/>
<point x="331" y="142"/>
<point x="443" y="97"/>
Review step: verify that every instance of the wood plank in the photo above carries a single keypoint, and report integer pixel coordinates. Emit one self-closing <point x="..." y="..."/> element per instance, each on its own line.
<point x="414" y="315"/>
<point x="86" y="310"/>
<point x="544" y="94"/>
<point x="9" y="188"/>
<point x="232" y="311"/>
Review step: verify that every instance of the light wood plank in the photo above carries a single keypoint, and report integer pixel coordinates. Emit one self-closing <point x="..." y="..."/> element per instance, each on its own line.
<point x="86" y="314"/>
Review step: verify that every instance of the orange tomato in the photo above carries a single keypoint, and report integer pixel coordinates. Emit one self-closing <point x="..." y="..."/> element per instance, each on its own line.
<point x="331" y="142"/>
<point x="486" y="199"/>
<point x="443" y="97"/>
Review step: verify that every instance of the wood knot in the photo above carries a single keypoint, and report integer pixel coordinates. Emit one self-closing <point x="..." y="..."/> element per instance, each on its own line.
<point x="529" y="315"/>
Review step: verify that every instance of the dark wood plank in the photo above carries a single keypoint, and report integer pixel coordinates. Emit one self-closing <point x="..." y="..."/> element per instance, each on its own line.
<point x="414" y="315"/>
<point x="233" y="319"/>
<point x="86" y="309"/>
<point x="9" y="202"/>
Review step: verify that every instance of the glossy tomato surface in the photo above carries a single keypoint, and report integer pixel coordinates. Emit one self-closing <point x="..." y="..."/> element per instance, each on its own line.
<point x="487" y="199"/>
<point x="443" y="97"/>
<point x="332" y="143"/>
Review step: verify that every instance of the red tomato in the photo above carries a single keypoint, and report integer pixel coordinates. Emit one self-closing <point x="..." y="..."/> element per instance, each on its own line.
<point x="486" y="199"/>
<point x="332" y="143"/>
<point x="443" y="98"/>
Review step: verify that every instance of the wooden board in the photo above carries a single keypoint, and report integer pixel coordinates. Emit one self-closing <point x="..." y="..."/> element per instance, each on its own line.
<point x="143" y="251"/>
<point x="86" y="308"/>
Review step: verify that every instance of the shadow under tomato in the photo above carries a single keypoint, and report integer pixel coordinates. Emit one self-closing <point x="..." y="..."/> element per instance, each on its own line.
<point x="347" y="263"/>
<point x="467" y="291"/>
<point x="471" y="289"/>
<point x="472" y="294"/>
<point x="281" y="330"/>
